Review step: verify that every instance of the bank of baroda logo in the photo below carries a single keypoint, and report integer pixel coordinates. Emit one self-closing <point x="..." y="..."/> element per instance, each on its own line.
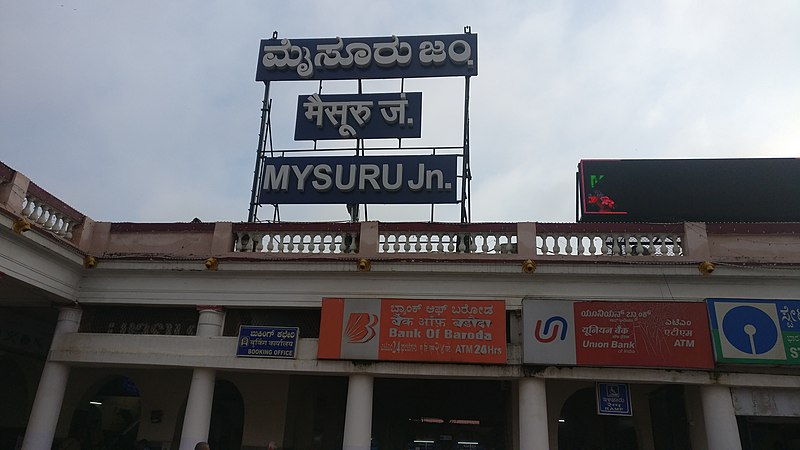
<point x="360" y="327"/>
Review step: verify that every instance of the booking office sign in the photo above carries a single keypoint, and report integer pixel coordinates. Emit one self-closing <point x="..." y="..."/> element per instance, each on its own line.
<point x="747" y="331"/>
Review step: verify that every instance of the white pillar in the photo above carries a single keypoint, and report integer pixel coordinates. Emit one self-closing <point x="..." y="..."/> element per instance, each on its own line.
<point x="533" y="433"/>
<point x="50" y="393"/>
<point x="197" y="418"/>
<point x="722" y="432"/>
<point x="358" y="418"/>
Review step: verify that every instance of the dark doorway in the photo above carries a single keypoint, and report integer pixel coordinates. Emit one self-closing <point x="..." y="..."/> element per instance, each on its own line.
<point x="668" y="416"/>
<point x="227" y="417"/>
<point x="440" y="415"/>
<point x="14" y="398"/>
<point x="315" y="413"/>
<point x="581" y="428"/>
<point x="769" y="433"/>
<point x="109" y="419"/>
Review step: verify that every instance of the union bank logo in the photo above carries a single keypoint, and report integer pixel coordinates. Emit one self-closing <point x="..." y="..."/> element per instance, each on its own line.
<point x="360" y="327"/>
<point x="551" y="329"/>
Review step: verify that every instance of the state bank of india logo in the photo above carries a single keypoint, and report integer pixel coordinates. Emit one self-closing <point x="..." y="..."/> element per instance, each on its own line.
<point x="361" y="327"/>
<point x="750" y="331"/>
<point x="551" y="329"/>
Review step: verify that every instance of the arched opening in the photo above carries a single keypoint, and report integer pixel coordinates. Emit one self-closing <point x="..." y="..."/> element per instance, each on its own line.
<point x="109" y="419"/>
<point x="581" y="428"/>
<point x="14" y="395"/>
<point x="227" y="417"/>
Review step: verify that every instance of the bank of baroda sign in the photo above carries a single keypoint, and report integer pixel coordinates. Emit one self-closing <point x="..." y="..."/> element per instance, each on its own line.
<point x="362" y="179"/>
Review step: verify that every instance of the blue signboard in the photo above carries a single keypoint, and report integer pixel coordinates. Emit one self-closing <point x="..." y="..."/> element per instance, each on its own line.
<point x="614" y="399"/>
<point x="359" y="179"/>
<point x="359" y="116"/>
<point x="444" y="55"/>
<point x="747" y="331"/>
<point x="267" y="342"/>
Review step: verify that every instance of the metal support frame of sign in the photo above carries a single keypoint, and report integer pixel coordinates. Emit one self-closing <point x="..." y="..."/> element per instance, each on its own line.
<point x="266" y="149"/>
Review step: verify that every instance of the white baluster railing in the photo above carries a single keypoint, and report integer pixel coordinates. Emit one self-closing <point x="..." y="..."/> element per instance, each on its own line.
<point x="296" y="242"/>
<point x="621" y="244"/>
<point x="427" y="242"/>
<point x="48" y="217"/>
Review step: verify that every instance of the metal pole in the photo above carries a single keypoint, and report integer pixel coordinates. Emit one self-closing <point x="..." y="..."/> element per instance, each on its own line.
<point x="466" y="176"/>
<point x="251" y="216"/>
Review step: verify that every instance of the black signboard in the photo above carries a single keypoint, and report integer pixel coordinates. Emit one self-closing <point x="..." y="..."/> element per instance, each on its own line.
<point x="370" y="116"/>
<point x="359" y="179"/>
<point x="677" y="190"/>
<point x="444" y="55"/>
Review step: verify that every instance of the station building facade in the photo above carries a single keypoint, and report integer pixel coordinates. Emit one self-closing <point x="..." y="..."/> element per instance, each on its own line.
<point x="551" y="336"/>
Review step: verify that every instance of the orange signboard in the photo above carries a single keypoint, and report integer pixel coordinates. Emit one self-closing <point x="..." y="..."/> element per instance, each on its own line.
<point x="468" y="331"/>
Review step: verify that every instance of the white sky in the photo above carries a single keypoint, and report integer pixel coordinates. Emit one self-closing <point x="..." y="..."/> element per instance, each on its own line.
<point x="148" y="111"/>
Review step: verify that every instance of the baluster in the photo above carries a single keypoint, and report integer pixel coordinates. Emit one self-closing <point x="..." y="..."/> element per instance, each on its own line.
<point x="592" y="249"/>
<point x="540" y="242"/>
<point x="473" y="244"/>
<point x="318" y="243"/>
<point x="61" y="219"/>
<point x="581" y="248"/>
<point x="663" y="247"/>
<point x="505" y="244"/>
<point x="339" y="243"/>
<point x="241" y="239"/>
<point x="568" y="247"/>
<point x="353" y="242"/>
<point x="485" y="244"/>
<point x="678" y="246"/>
<point x="46" y="214"/>
<point x="51" y="221"/>
<point x="607" y="248"/>
<point x="30" y="207"/>
<point x="639" y="245"/>
<point x="68" y="229"/>
<point x="674" y="245"/>
<point x="256" y="238"/>
<point x="331" y="242"/>
<point x="37" y="211"/>
<point x="60" y="225"/>
<point x="462" y="246"/>
<point x="556" y="246"/>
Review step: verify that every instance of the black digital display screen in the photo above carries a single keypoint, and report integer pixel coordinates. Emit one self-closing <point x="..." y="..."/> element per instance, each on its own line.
<point x="678" y="190"/>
